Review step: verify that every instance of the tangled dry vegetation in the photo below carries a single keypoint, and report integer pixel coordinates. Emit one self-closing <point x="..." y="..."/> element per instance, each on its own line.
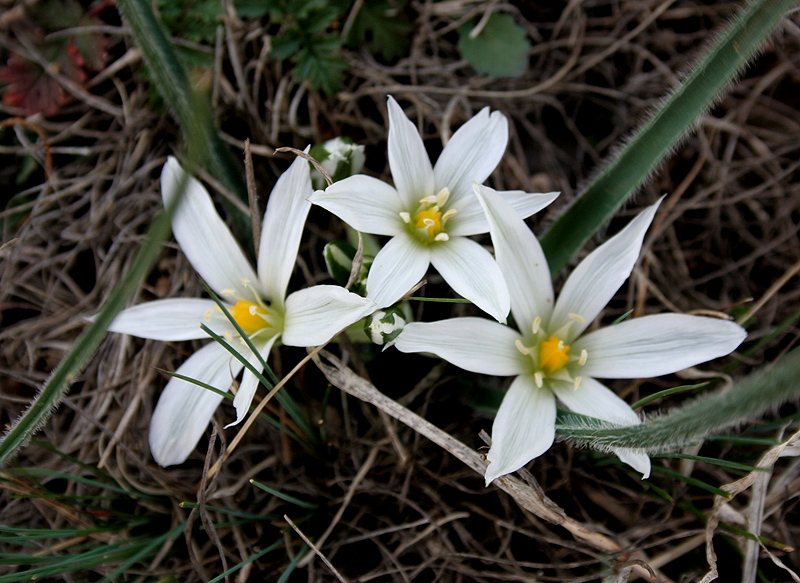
<point x="390" y="505"/>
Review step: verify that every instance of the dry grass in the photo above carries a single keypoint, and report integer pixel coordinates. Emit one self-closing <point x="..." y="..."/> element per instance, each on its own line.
<point x="409" y="510"/>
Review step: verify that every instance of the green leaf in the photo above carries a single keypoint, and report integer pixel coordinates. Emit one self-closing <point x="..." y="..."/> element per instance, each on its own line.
<point x="321" y="64"/>
<point x="86" y="344"/>
<point x="384" y="27"/>
<point x="500" y="50"/>
<point x="752" y="396"/>
<point x="666" y="127"/>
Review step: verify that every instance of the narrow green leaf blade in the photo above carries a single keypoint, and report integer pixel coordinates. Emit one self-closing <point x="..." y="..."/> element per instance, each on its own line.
<point x="666" y="127"/>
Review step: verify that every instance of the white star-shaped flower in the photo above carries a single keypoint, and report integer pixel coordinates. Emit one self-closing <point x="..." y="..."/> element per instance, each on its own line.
<point x="431" y="211"/>
<point x="550" y="356"/>
<point x="257" y="301"/>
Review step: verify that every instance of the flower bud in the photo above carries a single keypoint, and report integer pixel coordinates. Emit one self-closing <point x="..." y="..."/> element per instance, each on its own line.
<point x="339" y="261"/>
<point x="340" y="158"/>
<point x="384" y="326"/>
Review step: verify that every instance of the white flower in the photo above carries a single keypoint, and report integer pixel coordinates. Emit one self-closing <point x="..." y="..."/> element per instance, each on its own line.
<point x="431" y="211"/>
<point x="257" y="302"/>
<point x="550" y="356"/>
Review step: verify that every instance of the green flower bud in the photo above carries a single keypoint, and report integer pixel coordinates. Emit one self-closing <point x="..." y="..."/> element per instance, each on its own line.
<point x="384" y="326"/>
<point x="340" y="158"/>
<point x="339" y="261"/>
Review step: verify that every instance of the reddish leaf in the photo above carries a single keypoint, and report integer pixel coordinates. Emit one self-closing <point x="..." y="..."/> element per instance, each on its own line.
<point x="31" y="88"/>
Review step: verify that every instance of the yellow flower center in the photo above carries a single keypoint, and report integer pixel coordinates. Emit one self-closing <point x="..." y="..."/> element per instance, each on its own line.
<point x="552" y="355"/>
<point x="429" y="219"/>
<point x="251" y="317"/>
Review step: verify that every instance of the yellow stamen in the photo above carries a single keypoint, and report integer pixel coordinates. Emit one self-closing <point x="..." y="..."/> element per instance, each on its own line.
<point x="430" y="218"/>
<point x="537" y="321"/>
<point x="521" y="347"/>
<point x="576" y="317"/>
<point x="577" y="383"/>
<point x="584" y="356"/>
<point x="538" y="379"/>
<point x="552" y="355"/>
<point x="251" y="317"/>
<point x="442" y="197"/>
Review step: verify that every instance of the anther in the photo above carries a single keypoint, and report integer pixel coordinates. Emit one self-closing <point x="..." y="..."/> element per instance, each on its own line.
<point x="406" y="217"/>
<point x="442" y="197"/>
<point x="584" y="356"/>
<point x="521" y="347"/>
<point x="577" y="318"/>
<point x="245" y="281"/>
<point x="537" y="321"/>
<point x="448" y="214"/>
<point x="537" y="378"/>
<point x="430" y="199"/>
<point x="442" y="237"/>
<point x="227" y="292"/>
<point x="577" y="383"/>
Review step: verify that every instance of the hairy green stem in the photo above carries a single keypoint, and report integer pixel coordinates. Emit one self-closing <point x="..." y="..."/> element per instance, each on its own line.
<point x="761" y="391"/>
<point x="717" y="68"/>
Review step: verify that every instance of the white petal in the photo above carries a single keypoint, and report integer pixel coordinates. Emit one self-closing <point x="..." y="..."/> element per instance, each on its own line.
<point x="598" y="277"/>
<point x="596" y="400"/>
<point x="316" y="314"/>
<point x="472" y="154"/>
<point x="184" y="409"/>
<point x="471" y="220"/>
<point x="367" y="204"/>
<point x="520" y="258"/>
<point x="171" y="319"/>
<point x="249" y="385"/>
<point x="282" y="229"/>
<point x="204" y="238"/>
<point x="474" y="344"/>
<point x="472" y="272"/>
<point x="523" y="429"/>
<point x="411" y="167"/>
<point x="655" y="345"/>
<point x="638" y="461"/>
<point x="396" y="269"/>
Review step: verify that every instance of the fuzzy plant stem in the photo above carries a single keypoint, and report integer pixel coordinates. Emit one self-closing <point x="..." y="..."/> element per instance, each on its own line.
<point x="761" y="391"/>
<point x="672" y="121"/>
<point x="87" y="343"/>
